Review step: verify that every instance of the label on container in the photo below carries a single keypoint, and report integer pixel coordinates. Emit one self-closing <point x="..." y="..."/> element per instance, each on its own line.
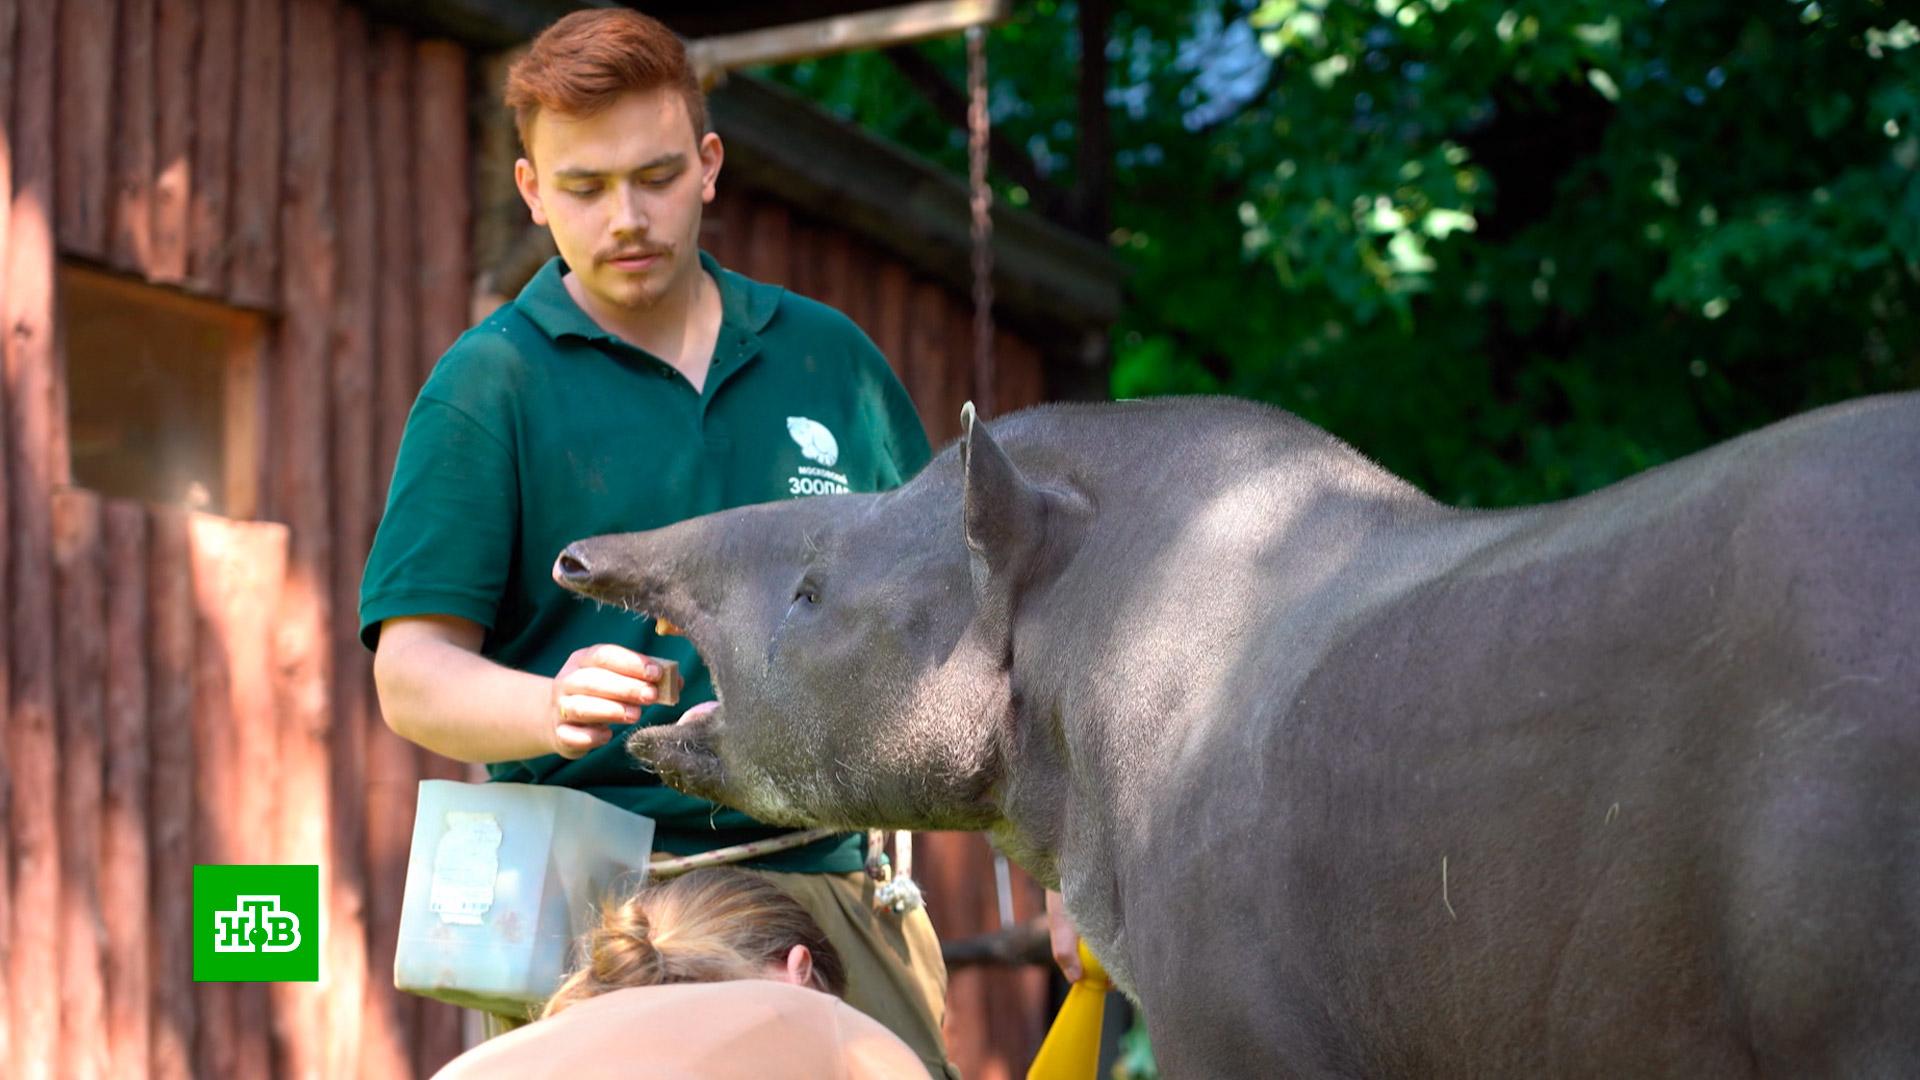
<point x="465" y="863"/>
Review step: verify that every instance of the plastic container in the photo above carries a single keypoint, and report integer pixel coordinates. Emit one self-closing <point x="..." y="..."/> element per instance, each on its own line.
<point x="502" y="879"/>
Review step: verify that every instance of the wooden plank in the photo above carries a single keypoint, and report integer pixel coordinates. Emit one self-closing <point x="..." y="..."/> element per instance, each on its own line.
<point x="733" y="211"/>
<point x="176" y="40"/>
<point x="124" y="852"/>
<point x="768" y="239"/>
<point x="255" y="241"/>
<point x="216" y="68"/>
<point x="170" y="797"/>
<point x="836" y="280"/>
<point x="239" y="571"/>
<point x="961" y="377"/>
<point x="352" y="440"/>
<point x="131" y="245"/>
<point x="893" y="296"/>
<point x="9" y="19"/>
<point x="803" y="258"/>
<point x="842" y="33"/>
<point x="928" y="357"/>
<point x="392" y="764"/>
<point x="33" y="983"/>
<point x="215" y="781"/>
<point x="80" y="627"/>
<point x="442" y="168"/>
<point x="1023" y="378"/>
<point x="85" y="134"/>
<point x="301" y="495"/>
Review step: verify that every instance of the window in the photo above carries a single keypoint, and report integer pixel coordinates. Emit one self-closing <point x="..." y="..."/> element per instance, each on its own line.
<point x="163" y="394"/>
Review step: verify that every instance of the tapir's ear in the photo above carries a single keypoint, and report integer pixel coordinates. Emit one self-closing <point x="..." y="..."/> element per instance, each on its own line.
<point x="1004" y="515"/>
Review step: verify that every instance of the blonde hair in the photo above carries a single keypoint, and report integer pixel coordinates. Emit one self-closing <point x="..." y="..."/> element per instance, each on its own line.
<point x="708" y="925"/>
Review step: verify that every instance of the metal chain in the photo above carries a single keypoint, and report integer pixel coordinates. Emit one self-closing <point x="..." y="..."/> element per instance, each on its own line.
<point x="978" y="125"/>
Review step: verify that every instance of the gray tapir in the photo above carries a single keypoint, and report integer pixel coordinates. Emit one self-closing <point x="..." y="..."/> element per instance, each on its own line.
<point x="1339" y="781"/>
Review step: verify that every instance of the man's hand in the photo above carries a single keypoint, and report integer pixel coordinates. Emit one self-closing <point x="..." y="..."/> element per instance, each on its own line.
<point x="1064" y="937"/>
<point x="603" y="685"/>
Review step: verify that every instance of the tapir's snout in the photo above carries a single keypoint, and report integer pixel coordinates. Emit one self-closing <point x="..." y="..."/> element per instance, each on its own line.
<point x="573" y="569"/>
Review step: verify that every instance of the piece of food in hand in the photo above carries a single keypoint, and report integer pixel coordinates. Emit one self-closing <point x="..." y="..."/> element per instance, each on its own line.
<point x="665" y="628"/>
<point x="669" y="685"/>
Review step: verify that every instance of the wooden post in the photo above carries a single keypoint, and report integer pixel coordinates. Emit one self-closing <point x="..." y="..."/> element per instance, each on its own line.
<point x="32" y="454"/>
<point x="81" y="650"/>
<point x="131" y="244"/>
<point x="239" y="569"/>
<point x="301" y="494"/>
<point x="352" y="439"/>
<point x="170" y="797"/>
<point x="124" y="872"/>
<point x="442" y="167"/>
<point x="215" y="802"/>
<point x="392" y="764"/>
<point x="175" y="60"/>
<point x="255" y="240"/>
<point x="441" y="170"/>
<point x="85" y="135"/>
<point x="216" y="67"/>
<point x="9" y="19"/>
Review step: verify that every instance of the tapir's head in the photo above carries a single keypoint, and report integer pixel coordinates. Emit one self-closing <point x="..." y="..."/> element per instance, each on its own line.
<point x="859" y="644"/>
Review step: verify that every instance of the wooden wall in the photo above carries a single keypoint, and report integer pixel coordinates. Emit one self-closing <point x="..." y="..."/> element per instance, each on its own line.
<point x="189" y="688"/>
<point x="181" y="688"/>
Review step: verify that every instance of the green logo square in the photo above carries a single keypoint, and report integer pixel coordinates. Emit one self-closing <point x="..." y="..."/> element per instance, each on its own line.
<point x="256" y="924"/>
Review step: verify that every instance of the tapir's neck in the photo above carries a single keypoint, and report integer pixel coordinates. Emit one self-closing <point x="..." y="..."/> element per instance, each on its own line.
<point x="1190" y="608"/>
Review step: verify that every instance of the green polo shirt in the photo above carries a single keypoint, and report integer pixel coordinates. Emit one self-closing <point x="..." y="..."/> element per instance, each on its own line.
<point x="538" y="428"/>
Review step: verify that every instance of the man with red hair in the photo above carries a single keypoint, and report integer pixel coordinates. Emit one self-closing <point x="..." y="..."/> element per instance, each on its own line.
<point x="633" y="383"/>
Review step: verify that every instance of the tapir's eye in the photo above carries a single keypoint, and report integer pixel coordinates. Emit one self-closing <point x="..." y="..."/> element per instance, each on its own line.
<point x="806" y="594"/>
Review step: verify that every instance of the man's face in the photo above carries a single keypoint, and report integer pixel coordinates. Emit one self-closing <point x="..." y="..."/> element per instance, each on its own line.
<point x="621" y="191"/>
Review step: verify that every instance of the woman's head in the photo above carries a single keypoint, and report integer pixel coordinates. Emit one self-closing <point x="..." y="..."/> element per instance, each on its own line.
<point x="706" y="926"/>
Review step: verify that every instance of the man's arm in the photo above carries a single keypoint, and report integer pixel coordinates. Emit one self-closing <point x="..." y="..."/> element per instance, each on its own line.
<point x="436" y="690"/>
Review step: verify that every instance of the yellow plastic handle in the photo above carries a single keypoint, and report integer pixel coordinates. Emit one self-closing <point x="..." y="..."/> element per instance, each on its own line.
<point x="1072" y="1048"/>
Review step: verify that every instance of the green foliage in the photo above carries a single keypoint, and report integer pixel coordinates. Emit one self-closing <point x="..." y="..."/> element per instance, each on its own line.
<point x="1512" y="250"/>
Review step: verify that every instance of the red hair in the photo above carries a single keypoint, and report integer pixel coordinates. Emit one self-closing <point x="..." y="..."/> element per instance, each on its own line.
<point x="579" y="65"/>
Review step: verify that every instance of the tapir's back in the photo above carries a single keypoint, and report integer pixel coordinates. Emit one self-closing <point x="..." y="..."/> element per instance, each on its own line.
<point x="1631" y="789"/>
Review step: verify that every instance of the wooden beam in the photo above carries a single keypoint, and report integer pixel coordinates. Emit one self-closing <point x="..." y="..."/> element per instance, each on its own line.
<point x="842" y="33"/>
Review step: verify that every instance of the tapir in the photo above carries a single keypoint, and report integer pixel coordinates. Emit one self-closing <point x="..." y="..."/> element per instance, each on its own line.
<point x="1338" y="780"/>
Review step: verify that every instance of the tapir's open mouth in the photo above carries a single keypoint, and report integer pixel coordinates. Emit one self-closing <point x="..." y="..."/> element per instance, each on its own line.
<point x="686" y="754"/>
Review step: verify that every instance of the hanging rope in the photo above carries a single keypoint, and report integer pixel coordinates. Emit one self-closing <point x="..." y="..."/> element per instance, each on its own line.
<point x="978" y="126"/>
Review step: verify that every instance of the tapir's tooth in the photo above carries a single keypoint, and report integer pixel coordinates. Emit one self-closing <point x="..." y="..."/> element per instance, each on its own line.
<point x="665" y="628"/>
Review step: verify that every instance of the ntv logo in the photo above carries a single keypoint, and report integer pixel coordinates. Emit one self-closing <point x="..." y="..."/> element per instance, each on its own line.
<point x="256" y="924"/>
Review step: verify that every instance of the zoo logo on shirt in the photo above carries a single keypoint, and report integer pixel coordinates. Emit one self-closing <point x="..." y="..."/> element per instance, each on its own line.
<point x="816" y="444"/>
